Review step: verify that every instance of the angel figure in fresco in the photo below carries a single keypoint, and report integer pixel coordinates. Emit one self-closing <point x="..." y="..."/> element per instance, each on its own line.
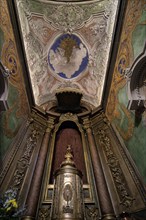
<point x="62" y="64"/>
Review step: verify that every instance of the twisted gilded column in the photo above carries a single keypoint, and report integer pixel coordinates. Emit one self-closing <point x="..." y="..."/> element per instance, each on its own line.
<point x="34" y="191"/>
<point x="101" y="186"/>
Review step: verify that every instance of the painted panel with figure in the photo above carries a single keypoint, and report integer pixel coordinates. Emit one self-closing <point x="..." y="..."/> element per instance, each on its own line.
<point x="130" y="124"/>
<point x="16" y="109"/>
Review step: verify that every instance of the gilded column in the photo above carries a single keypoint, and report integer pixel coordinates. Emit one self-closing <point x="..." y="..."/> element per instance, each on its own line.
<point x="101" y="186"/>
<point x="34" y="191"/>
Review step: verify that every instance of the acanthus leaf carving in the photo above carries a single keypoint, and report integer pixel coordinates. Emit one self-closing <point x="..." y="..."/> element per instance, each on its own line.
<point x="91" y="212"/>
<point x="16" y="147"/>
<point x="44" y="213"/>
<point x="23" y="163"/>
<point x="123" y="190"/>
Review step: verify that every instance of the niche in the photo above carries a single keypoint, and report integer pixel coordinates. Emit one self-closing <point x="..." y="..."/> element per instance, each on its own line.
<point x="68" y="134"/>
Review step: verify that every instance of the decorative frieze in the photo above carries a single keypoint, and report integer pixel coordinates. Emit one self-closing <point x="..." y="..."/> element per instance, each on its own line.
<point x="91" y="212"/>
<point x="68" y="116"/>
<point x="23" y="162"/>
<point x="44" y="213"/>
<point x="133" y="172"/>
<point x="122" y="188"/>
<point x="15" y="149"/>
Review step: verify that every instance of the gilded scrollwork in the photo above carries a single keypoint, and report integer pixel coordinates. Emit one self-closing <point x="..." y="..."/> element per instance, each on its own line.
<point x="123" y="190"/>
<point x="91" y="212"/>
<point x="23" y="163"/>
<point x="137" y="181"/>
<point x="68" y="116"/>
<point x="44" y="213"/>
<point x="15" y="149"/>
<point x="4" y="18"/>
<point x="10" y="59"/>
<point x="86" y="124"/>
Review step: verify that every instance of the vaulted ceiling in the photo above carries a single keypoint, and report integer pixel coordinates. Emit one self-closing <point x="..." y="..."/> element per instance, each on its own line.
<point x="67" y="45"/>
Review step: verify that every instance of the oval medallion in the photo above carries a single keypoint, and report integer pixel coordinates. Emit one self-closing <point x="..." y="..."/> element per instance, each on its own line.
<point x="68" y="56"/>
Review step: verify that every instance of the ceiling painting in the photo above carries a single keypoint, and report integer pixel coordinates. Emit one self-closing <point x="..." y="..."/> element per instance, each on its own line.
<point x="67" y="46"/>
<point x="68" y="56"/>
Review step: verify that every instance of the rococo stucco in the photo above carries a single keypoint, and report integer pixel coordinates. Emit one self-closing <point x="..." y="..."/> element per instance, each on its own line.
<point x="67" y="46"/>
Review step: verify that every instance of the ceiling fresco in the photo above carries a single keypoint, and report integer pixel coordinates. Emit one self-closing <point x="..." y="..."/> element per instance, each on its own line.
<point x="67" y="46"/>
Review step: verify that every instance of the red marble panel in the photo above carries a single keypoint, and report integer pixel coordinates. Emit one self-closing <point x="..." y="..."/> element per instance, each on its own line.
<point x="65" y="137"/>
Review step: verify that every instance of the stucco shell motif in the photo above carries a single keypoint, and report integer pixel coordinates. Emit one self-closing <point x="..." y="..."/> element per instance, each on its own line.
<point x="67" y="46"/>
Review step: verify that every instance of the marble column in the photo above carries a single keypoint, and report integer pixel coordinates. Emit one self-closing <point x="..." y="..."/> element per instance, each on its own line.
<point x="101" y="186"/>
<point x="34" y="191"/>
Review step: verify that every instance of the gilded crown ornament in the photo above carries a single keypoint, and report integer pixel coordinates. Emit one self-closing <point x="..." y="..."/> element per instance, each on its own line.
<point x="68" y="157"/>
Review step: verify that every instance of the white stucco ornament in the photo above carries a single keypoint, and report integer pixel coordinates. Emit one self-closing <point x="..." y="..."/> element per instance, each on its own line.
<point x="67" y="45"/>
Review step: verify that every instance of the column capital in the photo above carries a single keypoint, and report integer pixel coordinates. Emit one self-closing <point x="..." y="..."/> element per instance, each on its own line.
<point x="105" y="119"/>
<point x="50" y="124"/>
<point x="86" y="123"/>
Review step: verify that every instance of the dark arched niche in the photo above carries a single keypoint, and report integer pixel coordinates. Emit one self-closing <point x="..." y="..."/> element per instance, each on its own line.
<point x="68" y="133"/>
